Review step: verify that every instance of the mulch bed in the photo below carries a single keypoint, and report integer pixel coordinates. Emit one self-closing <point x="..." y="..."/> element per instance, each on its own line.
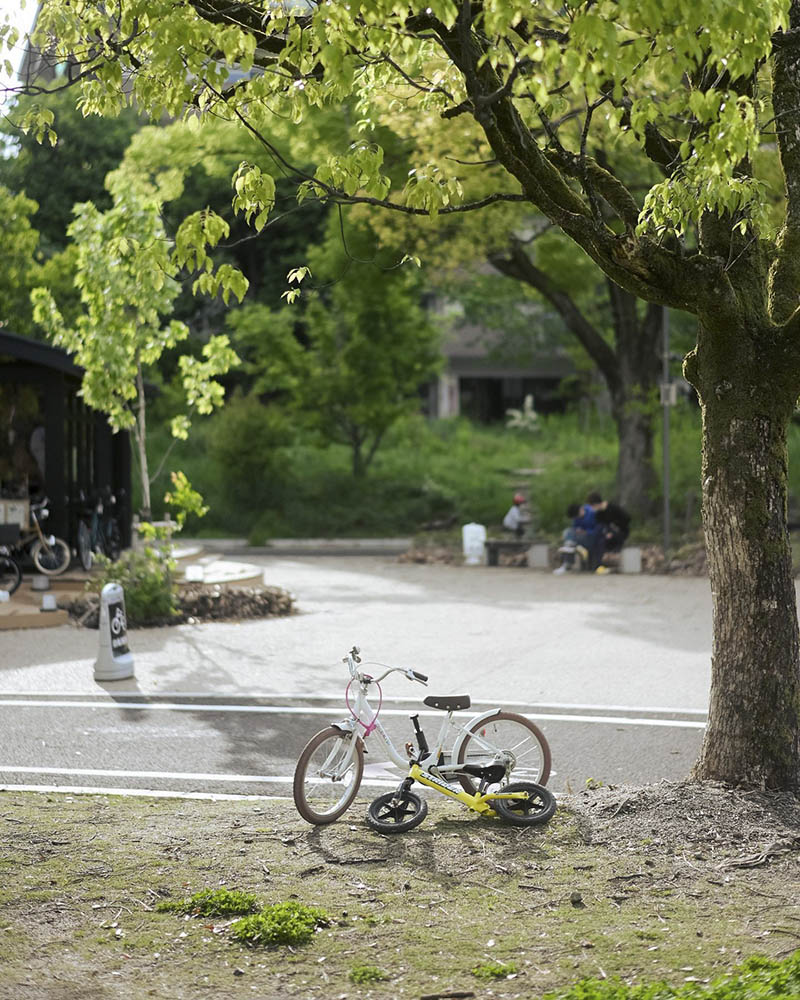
<point x="197" y="602"/>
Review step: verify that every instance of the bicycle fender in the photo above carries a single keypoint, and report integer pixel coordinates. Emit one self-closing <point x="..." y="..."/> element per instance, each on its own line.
<point x="484" y="717"/>
<point x="345" y="725"/>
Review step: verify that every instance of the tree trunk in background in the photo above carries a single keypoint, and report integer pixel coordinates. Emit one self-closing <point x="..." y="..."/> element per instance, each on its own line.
<point x="140" y="433"/>
<point x="630" y="369"/>
<point x="637" y="339"/>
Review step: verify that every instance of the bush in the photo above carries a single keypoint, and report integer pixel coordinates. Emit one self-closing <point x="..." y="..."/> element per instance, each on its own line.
<point x="147" y="579"/>
<point x="262" y="481"/>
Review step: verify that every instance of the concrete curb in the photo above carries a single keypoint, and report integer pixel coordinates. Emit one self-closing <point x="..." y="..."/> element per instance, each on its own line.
<point x="307" y="546"/>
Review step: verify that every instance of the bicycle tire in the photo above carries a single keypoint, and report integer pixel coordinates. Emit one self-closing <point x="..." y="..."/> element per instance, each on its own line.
<point x="51" y="559"/>
<point x="504" y="732"/>
<point x="85" y="553"/>
<point x="113" y="540"/>
<point x="537" y="808"/>
<point x="312" y="789"/>
<point x="396" y="812"/>
<point x="10" y="574"/>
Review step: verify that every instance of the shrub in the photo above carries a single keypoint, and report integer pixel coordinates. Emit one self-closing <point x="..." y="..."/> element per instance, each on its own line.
<point x="147" y="579"/>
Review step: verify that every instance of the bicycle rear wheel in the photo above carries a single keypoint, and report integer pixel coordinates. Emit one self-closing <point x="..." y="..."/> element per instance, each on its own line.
<point x="538" y="807"/>
<point x="328" y="775"/>
<point x="10" y="574"/>
<point x="85" y="553"/>
<point x="113" y="540"/>
<point x="511" y="737"/>
<point x="51" y="559"/>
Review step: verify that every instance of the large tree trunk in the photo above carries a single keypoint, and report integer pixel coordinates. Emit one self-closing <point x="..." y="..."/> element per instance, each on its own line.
<point x="753" y="732"/>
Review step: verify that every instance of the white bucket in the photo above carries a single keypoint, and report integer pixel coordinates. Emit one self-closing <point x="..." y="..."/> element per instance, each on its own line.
<point x="473" y="538"/>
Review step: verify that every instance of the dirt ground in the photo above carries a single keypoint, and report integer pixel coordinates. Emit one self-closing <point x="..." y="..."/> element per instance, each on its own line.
<point x="672" y="881"/>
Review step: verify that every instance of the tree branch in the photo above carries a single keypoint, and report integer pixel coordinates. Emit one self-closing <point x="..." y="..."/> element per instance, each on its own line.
<point x="518" y="265"/>
<point x="784" y="278"/>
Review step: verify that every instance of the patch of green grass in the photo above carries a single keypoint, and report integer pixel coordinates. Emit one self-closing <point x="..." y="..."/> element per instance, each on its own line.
<point x="362" y="974"/>
<point x="494" y="970"/>
<point x="757" y="978"/>
<point x="281" y="923"/>
<point x="213" y="903"/>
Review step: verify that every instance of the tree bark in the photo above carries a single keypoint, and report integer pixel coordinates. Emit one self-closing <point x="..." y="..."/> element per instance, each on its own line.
<point x="753" y="731"/>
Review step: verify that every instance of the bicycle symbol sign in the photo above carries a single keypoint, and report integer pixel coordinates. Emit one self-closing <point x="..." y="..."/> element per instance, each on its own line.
<point x="118" y="626"/>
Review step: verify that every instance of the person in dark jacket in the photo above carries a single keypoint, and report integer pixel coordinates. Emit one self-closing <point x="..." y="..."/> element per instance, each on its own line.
<point x="613" y="521"/>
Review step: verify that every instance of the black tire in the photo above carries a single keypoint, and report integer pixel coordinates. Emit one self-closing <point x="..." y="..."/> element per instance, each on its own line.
<point x="113" y="541"/>
<point x="396" y="812"/>
<point x="10" y="574"/>
<point x="510" y="735"/>
<point x="537" y="808"/>
<point x="85" y="553"/>
<point x="51" y="559"/>
<point x="318" y="800"/>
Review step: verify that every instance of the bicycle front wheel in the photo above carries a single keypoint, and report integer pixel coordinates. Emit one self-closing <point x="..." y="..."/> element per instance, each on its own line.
<point x="51" y="559"/>
<point x="509" y="737"/>
<point x="10" y="574"/>
<point x="328" y="775"/>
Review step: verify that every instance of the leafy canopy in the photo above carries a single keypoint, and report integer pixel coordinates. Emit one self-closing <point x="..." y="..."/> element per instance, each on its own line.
<point x="672" y="67"/>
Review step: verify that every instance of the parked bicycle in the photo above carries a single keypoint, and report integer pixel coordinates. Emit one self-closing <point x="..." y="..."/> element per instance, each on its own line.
<point x="486" y="751"/>
<point x="10" y="571"/>
<point x="98" y="529"/>
<point x="50" y="555"/>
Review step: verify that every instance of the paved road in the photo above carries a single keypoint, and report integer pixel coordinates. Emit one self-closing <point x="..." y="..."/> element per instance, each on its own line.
<point x="615" y="669"/>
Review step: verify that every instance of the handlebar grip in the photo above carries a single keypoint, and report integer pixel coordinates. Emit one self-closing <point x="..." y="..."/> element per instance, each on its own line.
<point x="419" y="677"/>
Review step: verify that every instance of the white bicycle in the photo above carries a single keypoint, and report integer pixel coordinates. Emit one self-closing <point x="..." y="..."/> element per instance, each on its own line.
<point x="485" y="751"/>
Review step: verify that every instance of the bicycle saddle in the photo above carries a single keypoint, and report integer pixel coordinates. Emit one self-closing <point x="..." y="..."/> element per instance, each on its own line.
<point x="448" y="703"/>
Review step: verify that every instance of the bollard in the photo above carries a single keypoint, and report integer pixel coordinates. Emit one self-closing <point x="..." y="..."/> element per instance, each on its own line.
<point x="114" y="660"/>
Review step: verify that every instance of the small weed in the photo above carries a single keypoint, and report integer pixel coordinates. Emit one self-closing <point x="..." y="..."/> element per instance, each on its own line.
<point x="592" y="784"/>
<point x="361" y="974"/>
<point x="281" y="923"/>
<point x="494" y="970"/>
<point x="213" y="903"/>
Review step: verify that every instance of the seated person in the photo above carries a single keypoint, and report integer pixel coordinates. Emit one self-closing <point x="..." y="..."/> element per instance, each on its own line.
<point x="613" y="521"/>
<point x="580" y="539"/>
<point x="516" y="519"/>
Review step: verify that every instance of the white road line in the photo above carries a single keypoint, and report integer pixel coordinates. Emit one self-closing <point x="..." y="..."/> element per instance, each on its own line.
<point x="142" y="792"/>
<point x="615" y="720"/>
<point x="260" y="779"/>
<point x="336" y="699"/>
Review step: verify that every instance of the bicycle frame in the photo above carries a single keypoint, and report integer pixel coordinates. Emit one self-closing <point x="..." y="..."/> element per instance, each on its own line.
<point x="362" y="714"/>
<point x="479" y="802"/>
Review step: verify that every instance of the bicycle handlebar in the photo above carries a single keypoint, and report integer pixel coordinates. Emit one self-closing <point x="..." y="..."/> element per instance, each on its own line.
<point x="353" y="658"/>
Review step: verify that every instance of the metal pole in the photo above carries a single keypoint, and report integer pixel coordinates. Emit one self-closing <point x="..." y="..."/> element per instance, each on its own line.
<point x="665" y="399"/>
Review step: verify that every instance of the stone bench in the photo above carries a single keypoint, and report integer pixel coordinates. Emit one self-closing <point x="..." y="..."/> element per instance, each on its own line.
<point x="538" y="552"/>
